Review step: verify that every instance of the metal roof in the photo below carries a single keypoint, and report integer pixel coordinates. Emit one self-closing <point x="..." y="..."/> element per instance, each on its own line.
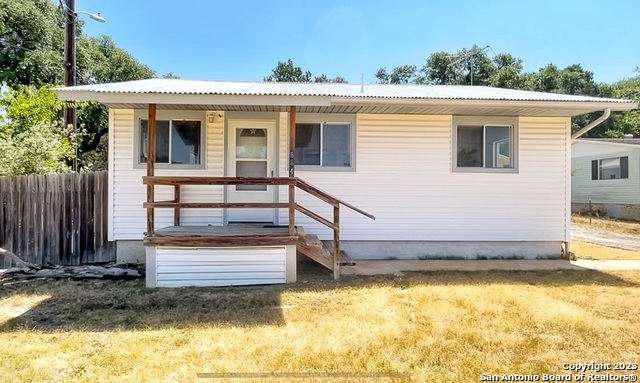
<point x="628" y="141"/>
<point x="355" y="91"/>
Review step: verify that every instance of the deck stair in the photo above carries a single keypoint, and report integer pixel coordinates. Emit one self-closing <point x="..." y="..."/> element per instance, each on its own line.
<point x="310" y="246"/>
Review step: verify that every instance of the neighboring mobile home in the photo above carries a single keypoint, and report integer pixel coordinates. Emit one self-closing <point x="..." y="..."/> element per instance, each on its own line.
<point x="607" y="172"/>
<point x="446" y="171"/>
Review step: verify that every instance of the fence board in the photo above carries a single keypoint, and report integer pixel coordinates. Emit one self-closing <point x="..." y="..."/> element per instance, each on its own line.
<point x="57" y="219"/>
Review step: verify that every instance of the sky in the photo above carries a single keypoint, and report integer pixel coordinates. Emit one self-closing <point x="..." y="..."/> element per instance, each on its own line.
<point x="245" y="39"/>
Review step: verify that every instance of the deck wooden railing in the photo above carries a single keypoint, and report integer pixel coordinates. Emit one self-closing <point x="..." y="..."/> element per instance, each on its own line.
<point x="291" y="205"/>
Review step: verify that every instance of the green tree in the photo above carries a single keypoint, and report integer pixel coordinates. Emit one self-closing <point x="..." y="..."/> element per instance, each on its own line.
<point x="571" y="80"/>
<point x="574" y="80"/>
<point x="31" y="43"/>
<point x="323" y="78"/>
<point x="289" y="72"/>
<point x="404" y="74"/>
<point x="31" y="53"/>
<point x="466" y="67"/>
<point x="100" y="60"/>
<point x="32" y="138"/>
<point x="507" y="73"/>
<point x="628" y="122"/>
<point x="441" y="69"/>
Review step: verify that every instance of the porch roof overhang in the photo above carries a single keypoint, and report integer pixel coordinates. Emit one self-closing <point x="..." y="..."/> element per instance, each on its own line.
<point x="338" y="98"/>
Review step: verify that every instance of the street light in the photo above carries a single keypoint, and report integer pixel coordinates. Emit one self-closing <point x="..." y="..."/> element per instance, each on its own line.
<point x="70" y="62"/>
<point x="93" y="16"/>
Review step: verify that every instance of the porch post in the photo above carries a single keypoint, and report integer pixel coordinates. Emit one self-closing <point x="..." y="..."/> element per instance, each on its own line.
<point x="292" y="157"/>
<point x="292" y="140"/>
<point x="151" y="157"/>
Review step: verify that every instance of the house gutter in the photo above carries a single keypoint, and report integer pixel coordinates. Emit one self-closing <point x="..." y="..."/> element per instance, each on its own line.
<point x="593" y="124"/>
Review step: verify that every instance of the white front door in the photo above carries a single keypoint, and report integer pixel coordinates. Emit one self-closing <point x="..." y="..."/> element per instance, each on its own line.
<point x="250" y="154"/>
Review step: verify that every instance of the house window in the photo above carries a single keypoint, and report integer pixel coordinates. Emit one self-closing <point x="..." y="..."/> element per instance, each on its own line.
<point x="485" y="146"/>
<point x="323" y="144"/>
<point x="178" y="142"/>
<point x="610" y="168"/>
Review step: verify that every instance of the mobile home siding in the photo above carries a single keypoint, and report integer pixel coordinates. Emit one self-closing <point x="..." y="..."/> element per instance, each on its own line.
<point x="404" y="177"/>
<point x="177" y="267"/>
<point x="615" y="191"/>
<point x="129" y="217"/>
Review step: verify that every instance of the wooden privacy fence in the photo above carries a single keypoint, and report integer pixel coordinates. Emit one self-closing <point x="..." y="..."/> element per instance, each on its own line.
<point x="58" y="218"/>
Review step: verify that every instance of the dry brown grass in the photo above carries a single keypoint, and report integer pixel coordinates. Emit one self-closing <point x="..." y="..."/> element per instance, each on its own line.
<point x="433" y="327"/>
<point x="587" y="250"/>
<point x="607" y="224"/>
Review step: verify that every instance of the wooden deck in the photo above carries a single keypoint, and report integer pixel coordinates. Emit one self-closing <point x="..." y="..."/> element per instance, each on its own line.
<point x="219" y="236"/>
<point x="222" y="231"/>
<point x="243" y="235"/>
<point x="247" y="235"/>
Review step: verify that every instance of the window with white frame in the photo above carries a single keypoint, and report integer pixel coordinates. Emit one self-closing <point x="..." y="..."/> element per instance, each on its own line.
<point x="484" y="146"/>
<point x="178" y="142"/>
<point x="610" y="168"/>
<point x="324" y="144"/>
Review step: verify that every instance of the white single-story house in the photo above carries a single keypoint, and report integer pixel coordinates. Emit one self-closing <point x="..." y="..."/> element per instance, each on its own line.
<point x="244" y="174"/>
<point x="606" y="172"/>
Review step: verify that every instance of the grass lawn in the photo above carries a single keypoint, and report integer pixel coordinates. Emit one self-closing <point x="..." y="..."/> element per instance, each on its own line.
<point x="586" y="250"/>
<point x="429" y="327"/>
<point x="607" y="224"/>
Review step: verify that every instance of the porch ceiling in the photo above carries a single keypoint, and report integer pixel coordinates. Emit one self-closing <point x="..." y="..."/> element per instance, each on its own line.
<point x="377" y="109"/>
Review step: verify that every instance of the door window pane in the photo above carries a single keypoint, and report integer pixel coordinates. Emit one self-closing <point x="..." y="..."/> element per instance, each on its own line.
<point x="497" y="147"/>
<point x="335" y="145"/>
<point x="251" y="169"/>
<point x="185" y="142"/>
<point x="469" y="146"/>
<point x="307" y="144"/>
<point x="251" y="143"/>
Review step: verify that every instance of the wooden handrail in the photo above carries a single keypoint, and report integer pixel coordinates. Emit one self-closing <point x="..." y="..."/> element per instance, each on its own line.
<point x="215" y="205"/>
<point x="299" y="183"/>
<point x="307" y="186"/>
<point x="170" y="180"/>
<point x="315" y="216"/>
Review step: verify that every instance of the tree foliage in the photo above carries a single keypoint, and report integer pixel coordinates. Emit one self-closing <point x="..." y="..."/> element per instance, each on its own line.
<point x="31" y="43"/>
<point x="627" y="123"/>
<point x="289" y="72"/>
<point x="32" y="54"/>
<point x="32" y="138"/>
<point x="474" y="66"/>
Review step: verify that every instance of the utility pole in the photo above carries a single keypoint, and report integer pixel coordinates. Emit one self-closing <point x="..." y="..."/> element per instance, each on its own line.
<point x="70" y="70"/>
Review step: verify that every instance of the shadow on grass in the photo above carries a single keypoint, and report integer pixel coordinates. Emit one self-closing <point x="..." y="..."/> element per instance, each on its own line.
<point x="103" y="305"/>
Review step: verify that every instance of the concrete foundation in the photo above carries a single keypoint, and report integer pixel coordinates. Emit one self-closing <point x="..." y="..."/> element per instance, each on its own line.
<point x="452" y="250"/>
<point x="134" y="251"/>
<point x="130" y="252"/>
<point x="613" y="210"/>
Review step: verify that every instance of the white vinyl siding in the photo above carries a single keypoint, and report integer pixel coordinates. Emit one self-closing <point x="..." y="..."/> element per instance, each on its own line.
<point x="176" y="267"/>
<point x="129" y="217"/>
<point x="615" y="191"/>
<point x="404" y="177"/>
<point x="402" y="174"/>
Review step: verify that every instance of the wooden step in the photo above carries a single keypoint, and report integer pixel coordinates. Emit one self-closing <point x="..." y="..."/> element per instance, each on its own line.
<point x="310" y="246"/>
<point x="345" y="258"/>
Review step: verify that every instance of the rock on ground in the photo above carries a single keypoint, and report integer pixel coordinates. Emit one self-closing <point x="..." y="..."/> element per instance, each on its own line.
<point x="129" y="271"/>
